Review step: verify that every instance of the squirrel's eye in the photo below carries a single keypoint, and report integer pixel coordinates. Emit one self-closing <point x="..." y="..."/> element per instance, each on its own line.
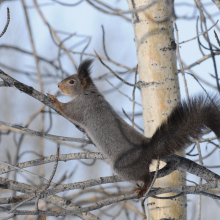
<point x="71" y="82"/>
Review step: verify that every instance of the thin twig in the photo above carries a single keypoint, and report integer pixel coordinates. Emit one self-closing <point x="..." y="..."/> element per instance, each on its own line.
<point x="200" y="182"/>
<point x="103" y="42"/>
<point x="199" y="34"/>
<point x="155" y="176"/>
<point x="54" y="33"/>
<point x="123" y="93"/>
<point x="198" y="40"/>
<point x="26" y="171"/>
<point x="60" y="47"/>
<point x="41" y="134"/>
<point x="143" y="208"/>
<point x="216" y="36"/>
<point x="108" y="12"/>
<point x="112" y="61"/>
<point x="51" y="177"/>
<point x="199" y="61"/>
<point x="21" y="203"/>
<point x="81" y="56"/>
<point x="180" y="62"/>
<point x="52" y="158"/>
<point x="63" y="203"/>
<point x="206" y="36"/>
<point x="7" y="23"/>
<point x="141" y="9"/>
<point x="137" y="126"/>
<point x="114" y="73"/>
<point x="39" y="79"/>
<point x="133" y="95"/>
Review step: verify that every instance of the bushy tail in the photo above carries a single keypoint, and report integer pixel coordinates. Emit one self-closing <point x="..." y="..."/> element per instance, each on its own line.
<point x="185" y="123"/>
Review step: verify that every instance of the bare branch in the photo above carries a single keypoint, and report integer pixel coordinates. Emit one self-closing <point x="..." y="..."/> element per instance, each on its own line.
<point x="42" y="134"/>
<point x="63" y="203"/>
<point x="11" y="82"/>
<point x="115" y="74"/>
<point x="7" y="23"/>
<point x="217" y="3"/>
<point x="216" y="36"/>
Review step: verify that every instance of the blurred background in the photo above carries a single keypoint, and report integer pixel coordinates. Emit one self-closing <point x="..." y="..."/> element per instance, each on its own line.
<point x="62" y="34"/>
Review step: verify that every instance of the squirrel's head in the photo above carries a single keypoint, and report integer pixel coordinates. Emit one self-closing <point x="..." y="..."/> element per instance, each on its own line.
<point x="75" y="84"/>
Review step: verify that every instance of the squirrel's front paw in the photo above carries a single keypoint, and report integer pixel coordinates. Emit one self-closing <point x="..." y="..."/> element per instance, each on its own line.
<point x="52" y="98"/>
<point x="55" y="102"/>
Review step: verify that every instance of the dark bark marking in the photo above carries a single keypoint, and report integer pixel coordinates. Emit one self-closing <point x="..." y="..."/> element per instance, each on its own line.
<point x="23" y="88"/>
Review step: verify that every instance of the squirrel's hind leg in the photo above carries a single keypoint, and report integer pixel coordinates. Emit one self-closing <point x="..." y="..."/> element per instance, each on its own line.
<point x="141" y="191"/>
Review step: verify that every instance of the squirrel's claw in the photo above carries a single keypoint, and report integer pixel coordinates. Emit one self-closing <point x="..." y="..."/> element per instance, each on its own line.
<point x="55" y="102"/>
<point x="52" y="98"/>
<point x="141" y="191"/>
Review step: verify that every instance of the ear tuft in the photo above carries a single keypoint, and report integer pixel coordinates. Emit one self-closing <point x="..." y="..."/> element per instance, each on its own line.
<point x="84" y="71"/>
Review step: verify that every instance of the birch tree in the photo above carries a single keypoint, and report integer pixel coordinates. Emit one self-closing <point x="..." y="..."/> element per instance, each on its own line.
<point x="158" y="80"/>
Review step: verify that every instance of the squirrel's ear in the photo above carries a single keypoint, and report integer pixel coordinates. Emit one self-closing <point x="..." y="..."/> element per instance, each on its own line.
<point x="84" y="71"/>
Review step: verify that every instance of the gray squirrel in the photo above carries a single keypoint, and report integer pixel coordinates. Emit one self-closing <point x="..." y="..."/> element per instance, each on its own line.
<point x="129" y="152"/>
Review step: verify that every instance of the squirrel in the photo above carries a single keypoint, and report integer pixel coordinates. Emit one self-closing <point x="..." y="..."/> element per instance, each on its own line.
<point x="129" y="152"/>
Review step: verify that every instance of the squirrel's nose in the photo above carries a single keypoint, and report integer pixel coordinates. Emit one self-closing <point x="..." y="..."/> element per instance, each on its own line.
<point x="58" y="85"/>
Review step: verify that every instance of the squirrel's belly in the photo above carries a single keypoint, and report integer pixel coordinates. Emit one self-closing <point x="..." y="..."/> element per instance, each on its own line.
<point x="109" y="145"/>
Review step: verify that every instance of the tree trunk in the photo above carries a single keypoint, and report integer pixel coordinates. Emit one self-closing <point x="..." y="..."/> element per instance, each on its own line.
<point x="159" y="89"/>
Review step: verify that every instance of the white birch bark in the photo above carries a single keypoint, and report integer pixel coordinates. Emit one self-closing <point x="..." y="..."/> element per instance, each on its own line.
<point x="156" y="55"/>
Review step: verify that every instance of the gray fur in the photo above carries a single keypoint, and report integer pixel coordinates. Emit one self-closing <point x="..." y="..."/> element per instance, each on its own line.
<point x="129" y="152"/>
